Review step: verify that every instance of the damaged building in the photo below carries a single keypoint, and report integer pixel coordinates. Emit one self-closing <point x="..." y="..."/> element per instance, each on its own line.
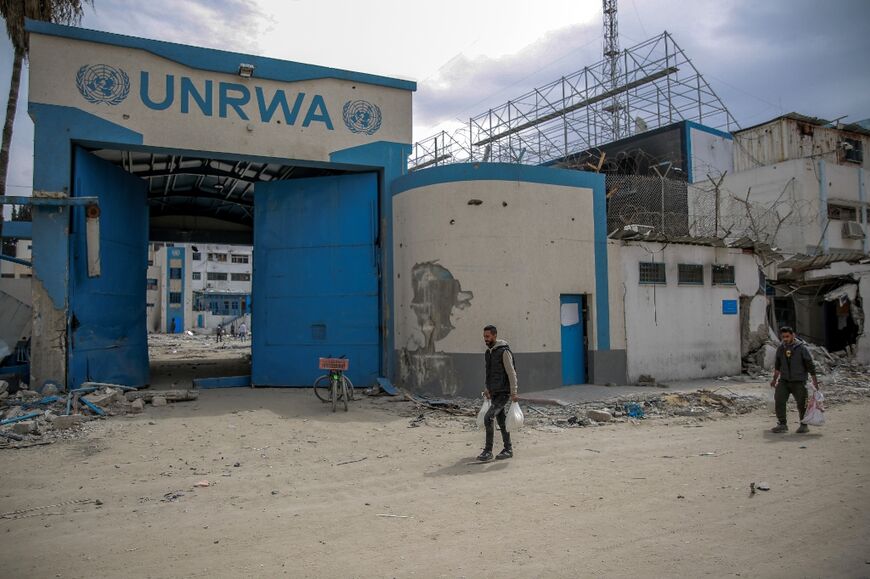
<point x="594" y="260"/>
<point x="798" y="184"/>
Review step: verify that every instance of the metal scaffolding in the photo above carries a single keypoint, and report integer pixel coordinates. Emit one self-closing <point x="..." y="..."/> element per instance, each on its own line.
<point x="657" y="85"/>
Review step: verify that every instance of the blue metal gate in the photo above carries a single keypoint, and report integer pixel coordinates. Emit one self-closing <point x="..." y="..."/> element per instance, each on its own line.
<point x="108" y="333"/>
<point x="315" y="286"/>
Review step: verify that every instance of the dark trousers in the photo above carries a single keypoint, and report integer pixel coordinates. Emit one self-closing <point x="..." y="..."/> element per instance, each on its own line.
<point x="796" y="389"/>
<point x="498" y="411"/>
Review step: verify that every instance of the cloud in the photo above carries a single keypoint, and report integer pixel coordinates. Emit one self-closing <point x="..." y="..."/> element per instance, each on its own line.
<point x="234" y="25"/>
<point x="762" y="59"/>
<point x="465" y="87"/>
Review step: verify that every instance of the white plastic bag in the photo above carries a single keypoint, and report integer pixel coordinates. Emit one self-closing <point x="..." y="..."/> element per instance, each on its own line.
<point x="815" y="413"/>
<point x="514" y="420"/>
<point x="770" y="400"/>
<point x="483" y="410"/>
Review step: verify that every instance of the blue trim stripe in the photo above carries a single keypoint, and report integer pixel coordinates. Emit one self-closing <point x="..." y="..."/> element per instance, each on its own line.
<point x="17" y="229"/>
<point x="218" y="60"/>
<point x="544" y="176"/>
<point x="711" y="130"/>
<point x="602" y="280"/>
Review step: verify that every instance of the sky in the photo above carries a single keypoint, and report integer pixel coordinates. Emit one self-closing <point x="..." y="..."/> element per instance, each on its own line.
<point x="762" y="57"/>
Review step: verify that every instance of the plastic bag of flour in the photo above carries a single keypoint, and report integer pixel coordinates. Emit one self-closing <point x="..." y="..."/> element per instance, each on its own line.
<point x="483" y="410"/>
<point x="514" y="420"/>
<point x="815" y="414"/>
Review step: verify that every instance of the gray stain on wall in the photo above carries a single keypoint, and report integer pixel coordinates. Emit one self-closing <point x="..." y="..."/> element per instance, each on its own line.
<point x="436" y="294"/>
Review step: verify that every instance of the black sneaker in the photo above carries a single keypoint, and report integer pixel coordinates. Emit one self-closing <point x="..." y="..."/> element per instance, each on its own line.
<point x="803" y="429"/>
<point x="506" y="453"/>
<point x="779" y="428"/>
<point x="485" y="456"/>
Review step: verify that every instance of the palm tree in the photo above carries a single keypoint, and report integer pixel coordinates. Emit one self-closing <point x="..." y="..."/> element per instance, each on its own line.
<point x="14" y="12"/>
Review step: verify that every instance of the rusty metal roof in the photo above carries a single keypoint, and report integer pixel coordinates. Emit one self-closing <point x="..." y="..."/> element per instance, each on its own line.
<point x="816" y="121"/>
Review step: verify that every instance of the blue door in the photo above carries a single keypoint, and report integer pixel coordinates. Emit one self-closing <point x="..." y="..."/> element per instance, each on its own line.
<point x="573" y="340"/>
<point x="108" y="333"/>
<point x="315" y="286"/>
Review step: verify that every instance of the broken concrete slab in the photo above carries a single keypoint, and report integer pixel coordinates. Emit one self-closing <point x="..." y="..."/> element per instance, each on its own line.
<point x="104" y="398"/>
<point x="67" y="422"/>
<point x="137" y="406"/>
<point x="24" y="427"/>
<point x="168" y="395"/>
<point x="158" y="401"/>
<point x="599" y="415"/>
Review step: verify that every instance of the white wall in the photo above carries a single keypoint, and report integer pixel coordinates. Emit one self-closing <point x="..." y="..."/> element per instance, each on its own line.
<point x="710" y="154"/>
<point x="516" y="253"/>
<point x="787" y="192"/>
<point x="677" y="331"/>
<point x="204" y="266"/>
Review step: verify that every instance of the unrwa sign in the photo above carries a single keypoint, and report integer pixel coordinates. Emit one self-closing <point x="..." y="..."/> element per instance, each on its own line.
<point x="104" y="84"/>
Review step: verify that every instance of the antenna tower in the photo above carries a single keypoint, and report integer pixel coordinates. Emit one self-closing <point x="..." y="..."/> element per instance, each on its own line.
<point x="611" y="59"/>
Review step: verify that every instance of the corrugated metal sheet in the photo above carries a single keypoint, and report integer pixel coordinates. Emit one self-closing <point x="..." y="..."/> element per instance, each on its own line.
<point x="792" y="136"/>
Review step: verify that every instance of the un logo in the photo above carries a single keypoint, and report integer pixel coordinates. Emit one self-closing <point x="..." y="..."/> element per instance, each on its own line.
<point x="103" y="84"/>
<point x="362" y="117"/>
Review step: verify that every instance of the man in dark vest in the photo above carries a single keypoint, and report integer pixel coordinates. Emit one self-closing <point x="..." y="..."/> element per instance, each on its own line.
<point x="501" y="388"/>
<point x="792" y="366"/>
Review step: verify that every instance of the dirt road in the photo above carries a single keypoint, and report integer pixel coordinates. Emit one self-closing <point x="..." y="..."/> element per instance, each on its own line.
<point x="311" y="489"/>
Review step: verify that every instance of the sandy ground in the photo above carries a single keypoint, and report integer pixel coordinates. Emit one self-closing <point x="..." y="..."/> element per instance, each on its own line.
<point x="178" y="359"/>
<point x="622" y="500"/>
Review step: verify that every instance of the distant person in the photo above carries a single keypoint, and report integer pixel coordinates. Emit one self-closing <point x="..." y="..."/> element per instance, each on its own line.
<point x="219" y="334"/>
<point x="243" y="332"/>
<point x="792" y="366"/>
<point x="501" y="388"/>
<point x="233" y="330"/>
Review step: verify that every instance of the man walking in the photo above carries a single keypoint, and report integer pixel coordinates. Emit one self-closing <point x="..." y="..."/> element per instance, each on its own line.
<point x="501" y="388"/>
<point x="793" y="364"/>
<point x="219" y="334"/>
<point x="243" y="332"/>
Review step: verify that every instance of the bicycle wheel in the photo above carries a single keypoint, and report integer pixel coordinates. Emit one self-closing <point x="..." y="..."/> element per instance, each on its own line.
<point x="344" y="394"/>
<point x="334" y="390"/>
<point x="321" y="388"/>
<point x="349" y="385"/>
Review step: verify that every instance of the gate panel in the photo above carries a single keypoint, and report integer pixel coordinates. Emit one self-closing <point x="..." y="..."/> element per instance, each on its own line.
<point x="108" y="333"/>
<point x="315" y="286"/>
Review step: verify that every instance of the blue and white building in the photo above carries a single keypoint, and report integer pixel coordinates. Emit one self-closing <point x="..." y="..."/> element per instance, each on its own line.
<point x="139" y="142"/>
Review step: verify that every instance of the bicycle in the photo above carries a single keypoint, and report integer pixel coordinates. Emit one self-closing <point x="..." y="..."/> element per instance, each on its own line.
<point x="334" y="386"/>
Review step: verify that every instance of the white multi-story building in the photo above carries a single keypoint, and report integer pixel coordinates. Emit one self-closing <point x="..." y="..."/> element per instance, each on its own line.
<point x="798" y="183"/>
<point x="197" y="286"/>
<point x="11" y="270"/>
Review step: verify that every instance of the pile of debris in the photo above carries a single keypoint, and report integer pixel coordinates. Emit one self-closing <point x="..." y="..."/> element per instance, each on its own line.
<point x="28" y="417"/>
<point x="701" y="404"/>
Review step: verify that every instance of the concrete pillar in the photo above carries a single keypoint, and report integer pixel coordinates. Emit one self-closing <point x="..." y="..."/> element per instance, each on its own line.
<point x="823" y="206"/>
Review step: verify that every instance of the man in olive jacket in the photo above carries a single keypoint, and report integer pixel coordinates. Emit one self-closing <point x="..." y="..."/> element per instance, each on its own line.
<point x="793" y="364"/>
<point x="501" y="388"/>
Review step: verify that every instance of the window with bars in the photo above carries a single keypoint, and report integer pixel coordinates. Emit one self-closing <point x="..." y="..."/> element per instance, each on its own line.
<point x="723" y="274"/>
<point x="196" y="256"/>
<point x="151" y="283"/>
<point x="174" y="298"/>
<point x="690" y="274"/>
<point x="652" y="273"/>
<point x="174" y="273"/>
<point x="196" y="275"/>
<point x="240" y="259"/>
<point x="217" y="276"/>
<point x="240" y="277"/>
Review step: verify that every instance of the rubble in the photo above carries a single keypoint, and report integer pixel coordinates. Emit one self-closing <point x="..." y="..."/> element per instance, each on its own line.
<point x="599" y="415"/>
<point x="29" y="418"/>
